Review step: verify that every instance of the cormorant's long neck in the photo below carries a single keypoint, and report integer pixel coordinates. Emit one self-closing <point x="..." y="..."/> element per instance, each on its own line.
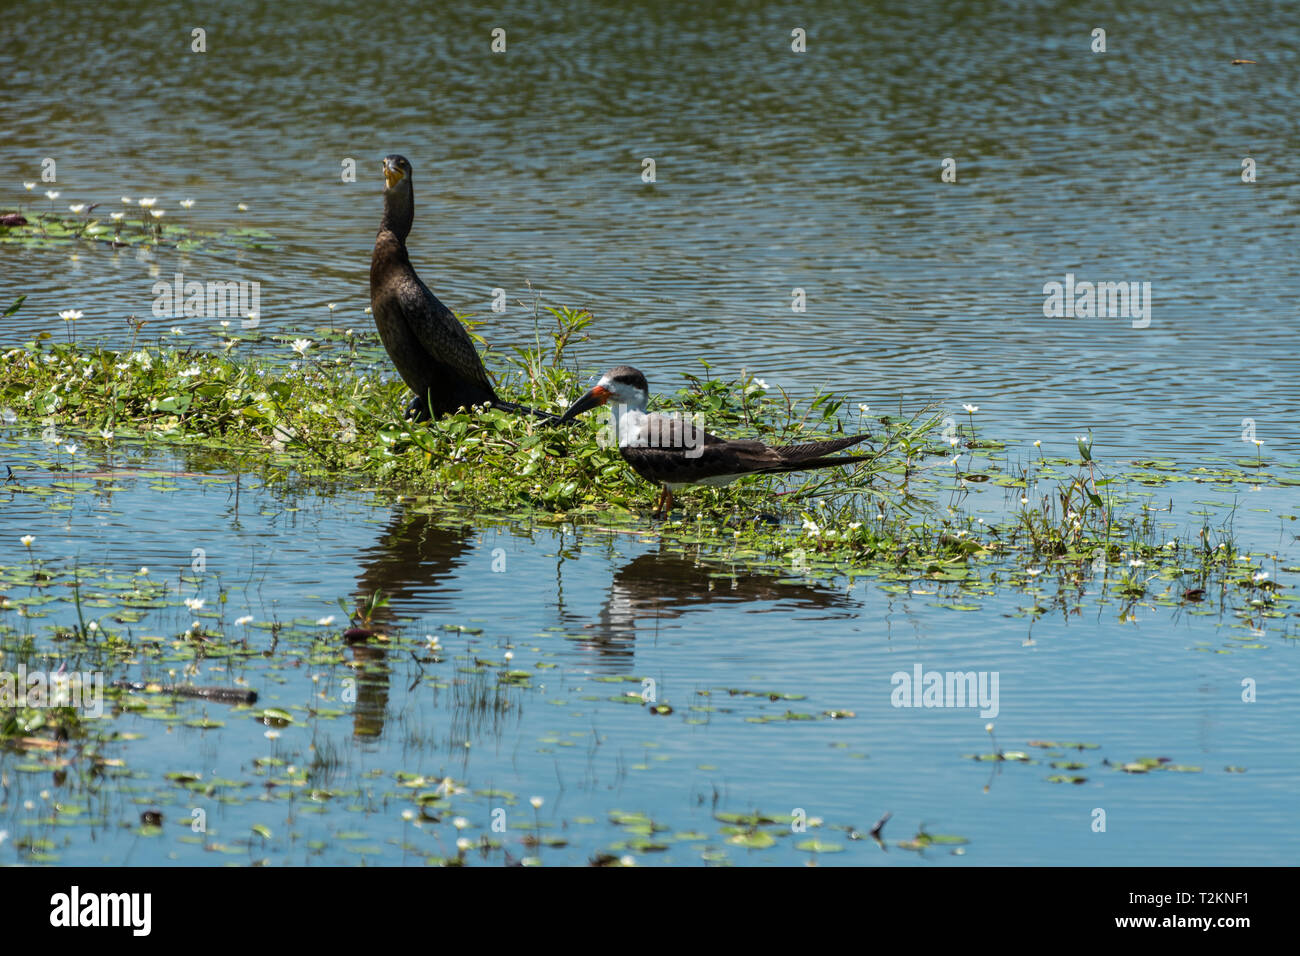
<point x="399" y="212"/>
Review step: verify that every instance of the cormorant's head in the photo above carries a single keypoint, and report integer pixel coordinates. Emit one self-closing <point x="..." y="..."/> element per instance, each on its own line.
<point x="622" y="385"/>
<point x="396" y="170"/>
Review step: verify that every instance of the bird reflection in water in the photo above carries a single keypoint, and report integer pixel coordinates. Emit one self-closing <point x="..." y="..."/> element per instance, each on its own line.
<point x="414" y="555"/>
<point x="658" y="586"/>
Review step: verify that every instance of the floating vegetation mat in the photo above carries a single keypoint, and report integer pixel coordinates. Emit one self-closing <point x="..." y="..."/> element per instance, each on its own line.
<point x="131" y="227"/>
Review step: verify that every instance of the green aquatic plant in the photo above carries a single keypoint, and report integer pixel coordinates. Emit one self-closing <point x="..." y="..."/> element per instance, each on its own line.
<point x="51" y="228"/>
<point x="363" y="613"/>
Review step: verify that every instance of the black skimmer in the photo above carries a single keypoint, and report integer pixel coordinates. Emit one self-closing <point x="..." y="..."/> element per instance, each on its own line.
<point x="430" y="348"/>
<point x="674" y="451"/>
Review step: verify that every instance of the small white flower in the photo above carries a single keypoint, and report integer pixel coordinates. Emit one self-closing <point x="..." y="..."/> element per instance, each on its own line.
<point x="77" y="207"/>
<point x="536" y="802"/>
<point x="51" y="194"/>
<point x="187" y="203"/>
<point x="242" y="207"/>
<point x="177" y="330"/>
<point x="143" y="570"/>
<point x="464" y="843"/>
<point x="29" y="186"/>
<point x="460" y="823"/>
<point x="301" y="346"/>
<point x="408" y="815"/>
<point x="1136" y="563"/>
<point x="326" y="621"/>
<point x="272" y="735"/>
<point x="115" y="216"/>
<point x="970" y="409"/>
<point x="27" y="540"/>
<point x="195" y="604"/>
<point x="71" y="315"/>
<point x="330" y="306"/>
<point x="71" y="449"/>
<point x="1038" y="444"/>
<point x="225" y="323"/>
<point x="128" y="200"/>
<point x="93" y="626"/>
<point x="1258" y="442"/>
<point x="1033" y="572"/>
<point x="1261" y="576"/>
<point x="448" y="788"/>
<point x="146" y="203"/>
<point x="510" y="655"/>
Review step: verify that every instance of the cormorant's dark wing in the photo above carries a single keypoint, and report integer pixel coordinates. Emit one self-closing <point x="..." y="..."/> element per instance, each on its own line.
<point x="442" y="335"/>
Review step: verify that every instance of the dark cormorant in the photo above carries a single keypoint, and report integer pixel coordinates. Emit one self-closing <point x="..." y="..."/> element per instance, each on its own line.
<point x="430" y="348"/>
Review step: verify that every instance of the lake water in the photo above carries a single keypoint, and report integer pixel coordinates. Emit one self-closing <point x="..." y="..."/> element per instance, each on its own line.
<point x="775" y="170"/>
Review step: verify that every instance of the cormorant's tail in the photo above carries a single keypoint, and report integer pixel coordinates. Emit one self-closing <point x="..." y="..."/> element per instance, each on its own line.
<point x="418" y="409"/>
<point x="549" y="417"/>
